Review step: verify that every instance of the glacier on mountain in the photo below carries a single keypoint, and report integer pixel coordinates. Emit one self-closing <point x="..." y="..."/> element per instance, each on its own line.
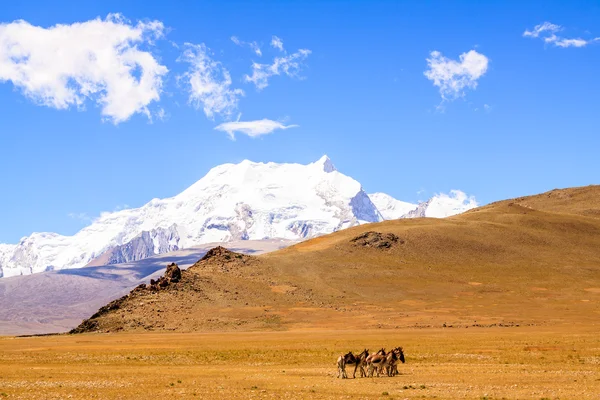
<point x="245" y="201"/>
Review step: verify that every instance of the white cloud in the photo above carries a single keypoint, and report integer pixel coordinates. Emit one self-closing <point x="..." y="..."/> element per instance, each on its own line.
<point x="453" y="77"/>
<point x="547" y="32"/>
<point x="289" y="65"/>
<point x="208" y="83"/>
<point x="252" y="128"/>
<point x="277" y="43"/>
<point x="562" y="42"/>
<point x="63" y="65"/>
<point x="253" y="45"/>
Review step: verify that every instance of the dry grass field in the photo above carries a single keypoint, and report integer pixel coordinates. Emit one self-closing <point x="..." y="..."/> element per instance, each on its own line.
<point x="472" y="363"/>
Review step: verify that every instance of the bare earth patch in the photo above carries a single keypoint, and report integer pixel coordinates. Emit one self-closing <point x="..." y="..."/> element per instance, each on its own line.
<point x="283" y="288"/>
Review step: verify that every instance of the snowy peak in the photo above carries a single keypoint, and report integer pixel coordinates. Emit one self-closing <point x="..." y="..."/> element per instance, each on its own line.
<point x="325" y="164"/>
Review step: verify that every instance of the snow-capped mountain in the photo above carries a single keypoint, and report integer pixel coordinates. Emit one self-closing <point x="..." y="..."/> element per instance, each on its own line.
<point x="439" y="206"/>
<point x="389" y="207"/>
<point x="443" y="205"/>
<point x="233" y="201"/>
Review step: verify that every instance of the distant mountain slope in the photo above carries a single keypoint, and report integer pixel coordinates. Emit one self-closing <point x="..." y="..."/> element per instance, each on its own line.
<point x="232" y="202"/>
<point x="499" y="265"/>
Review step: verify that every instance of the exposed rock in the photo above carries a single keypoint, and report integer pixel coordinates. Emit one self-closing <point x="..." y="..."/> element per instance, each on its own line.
<point x="172" y="276"/>
<point x="144" y="245"/>
<point x="218" y="252"/>
<point x="377" y="240"/>
<point x="173" y="273"/>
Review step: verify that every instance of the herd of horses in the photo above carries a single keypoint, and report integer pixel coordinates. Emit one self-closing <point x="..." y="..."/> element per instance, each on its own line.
<point x="369" y="364"/>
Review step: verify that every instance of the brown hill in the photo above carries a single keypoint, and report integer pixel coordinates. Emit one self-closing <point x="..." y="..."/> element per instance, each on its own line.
<point x="584" y="201"/>
<point x="532" y="260"/>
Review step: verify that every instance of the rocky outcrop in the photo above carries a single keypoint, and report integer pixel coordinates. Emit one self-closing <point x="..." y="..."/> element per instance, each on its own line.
<point x="377" y="240"/>
<point x="173" y="273"/>
<point x="172" y="276"/>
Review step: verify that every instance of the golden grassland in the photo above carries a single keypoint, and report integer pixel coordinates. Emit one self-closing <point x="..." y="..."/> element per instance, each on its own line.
<point x="473" y="363"/>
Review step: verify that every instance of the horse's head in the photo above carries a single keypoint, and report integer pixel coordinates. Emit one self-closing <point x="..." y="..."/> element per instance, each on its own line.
<point x="381" y="352"/>
<point x="400" y="354"/>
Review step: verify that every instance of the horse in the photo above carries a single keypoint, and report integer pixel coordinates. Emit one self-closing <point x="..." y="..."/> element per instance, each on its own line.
<point x="392" y="368"/>
<point x="358" y="362"/>
<point x="376" y="361"/>
<point x="342" y="360"/>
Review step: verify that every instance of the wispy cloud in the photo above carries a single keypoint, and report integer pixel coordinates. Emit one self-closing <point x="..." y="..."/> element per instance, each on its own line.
<point x="252" y="128"/>
<point x="290" y="65"/>
<point x="63" y="65"/>
<point x="277" y="43"/>
<point x="548" y="33"/>
<point x="208" y="82"/>
<point x="542" y="29"/>
<point x="252" y="45"/>
<point x="454" y="77"/>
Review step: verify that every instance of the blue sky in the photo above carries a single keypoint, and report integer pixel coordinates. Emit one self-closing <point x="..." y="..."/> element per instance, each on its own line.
<point x="361" y="96"/>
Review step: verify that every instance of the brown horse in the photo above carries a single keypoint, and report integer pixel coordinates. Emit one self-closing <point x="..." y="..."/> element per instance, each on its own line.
<point x="359" y="361"/>
<point x="392" y="367"/>
<point x="376" y="361"/>
<point x="344" y="360"/>
<point x="341" y="365"/>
